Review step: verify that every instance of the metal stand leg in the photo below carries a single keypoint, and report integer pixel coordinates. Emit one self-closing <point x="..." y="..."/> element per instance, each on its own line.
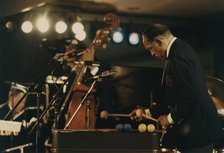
<point x="21" y="148"/>
<point x="88" y="113"/>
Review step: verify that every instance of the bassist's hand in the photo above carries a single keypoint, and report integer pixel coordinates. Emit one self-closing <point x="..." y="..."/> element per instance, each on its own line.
<point x="88" y="55"/>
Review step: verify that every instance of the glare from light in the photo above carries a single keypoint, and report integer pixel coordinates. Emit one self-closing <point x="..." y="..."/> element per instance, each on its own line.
<point x="41" y="4"/>
<point x="43" y="25"/>
<point x="61" y="27"/>
<point x="81" y="35"/>
<point x="26" y="9"/>
<point x="27" y="27"/>
<point x="117" y="37"/>
<point x="77" y="27"/>
<point x="134" y="38"/>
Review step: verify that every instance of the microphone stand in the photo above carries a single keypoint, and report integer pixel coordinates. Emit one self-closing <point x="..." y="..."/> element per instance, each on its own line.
<point x="64" y="104"/>
<point x="28" y="90"/>
<point x="38" y="121"/>
<point x="52" y="102"/>
<point x="81" y="103"/>
<point x="21" y="148"/>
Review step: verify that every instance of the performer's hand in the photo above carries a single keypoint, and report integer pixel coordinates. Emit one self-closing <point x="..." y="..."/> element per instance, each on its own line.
<point x="88" y="55"/>
<point x="163" y="121"/>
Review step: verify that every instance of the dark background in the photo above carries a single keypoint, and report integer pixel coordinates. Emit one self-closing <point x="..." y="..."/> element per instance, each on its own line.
<point x="24" y="59"/>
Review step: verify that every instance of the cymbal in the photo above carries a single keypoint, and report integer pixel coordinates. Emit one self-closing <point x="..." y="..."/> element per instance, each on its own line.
<point x="216" y="91"/>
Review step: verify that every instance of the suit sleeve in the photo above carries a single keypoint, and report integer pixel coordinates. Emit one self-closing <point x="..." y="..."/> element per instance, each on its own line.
<point x="185" y="76"/>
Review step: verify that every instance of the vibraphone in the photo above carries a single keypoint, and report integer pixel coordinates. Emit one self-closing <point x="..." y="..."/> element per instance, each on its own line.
<point x="104" y="141"/>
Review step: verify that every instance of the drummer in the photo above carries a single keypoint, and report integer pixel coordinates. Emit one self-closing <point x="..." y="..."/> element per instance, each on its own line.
<point x="16" y="92"/>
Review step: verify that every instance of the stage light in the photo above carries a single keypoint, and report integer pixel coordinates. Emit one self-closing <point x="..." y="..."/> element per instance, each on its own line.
<point x="77" y="27"/>
<point x="43" y="25"/>
<point x="117" y="36"/>
<point x="27" y="27"/>
<point x="61" y="27"/>
<point x="10" y="26"/>
<point x="81" y="35"/>
<point x="134" y="38"/>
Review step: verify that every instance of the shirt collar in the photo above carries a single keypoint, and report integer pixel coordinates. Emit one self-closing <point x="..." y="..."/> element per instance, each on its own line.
<point x="169" y="46"/>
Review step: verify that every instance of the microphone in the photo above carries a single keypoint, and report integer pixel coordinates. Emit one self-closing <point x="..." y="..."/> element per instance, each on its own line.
<point x="103" y="74"/>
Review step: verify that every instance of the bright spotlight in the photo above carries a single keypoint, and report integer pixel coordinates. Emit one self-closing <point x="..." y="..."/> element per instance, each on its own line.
<point x="117" y="37"/>
<point x="61" y="27"/>
<point x="43" y="25"/>
<point x="77" y="27"/>
<point x="134" y="38"/>
<point x="27" y="27"/>
<point x="81" y="35"/>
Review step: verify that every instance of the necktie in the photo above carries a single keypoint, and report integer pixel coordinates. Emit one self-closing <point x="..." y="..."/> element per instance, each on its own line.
<point x="164" y="71"/>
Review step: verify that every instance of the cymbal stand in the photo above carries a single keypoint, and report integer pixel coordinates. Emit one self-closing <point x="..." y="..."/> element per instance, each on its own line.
<point x="81" y="103"/>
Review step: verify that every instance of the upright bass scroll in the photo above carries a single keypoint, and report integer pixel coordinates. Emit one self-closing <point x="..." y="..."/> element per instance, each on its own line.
<point x="102" y="34"/>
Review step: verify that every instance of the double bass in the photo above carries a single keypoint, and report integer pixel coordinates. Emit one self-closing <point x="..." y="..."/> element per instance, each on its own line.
<point x="82" y="108"/>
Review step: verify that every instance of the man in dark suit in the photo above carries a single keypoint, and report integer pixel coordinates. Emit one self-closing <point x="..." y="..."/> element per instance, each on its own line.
<point x="186" y="110"/>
